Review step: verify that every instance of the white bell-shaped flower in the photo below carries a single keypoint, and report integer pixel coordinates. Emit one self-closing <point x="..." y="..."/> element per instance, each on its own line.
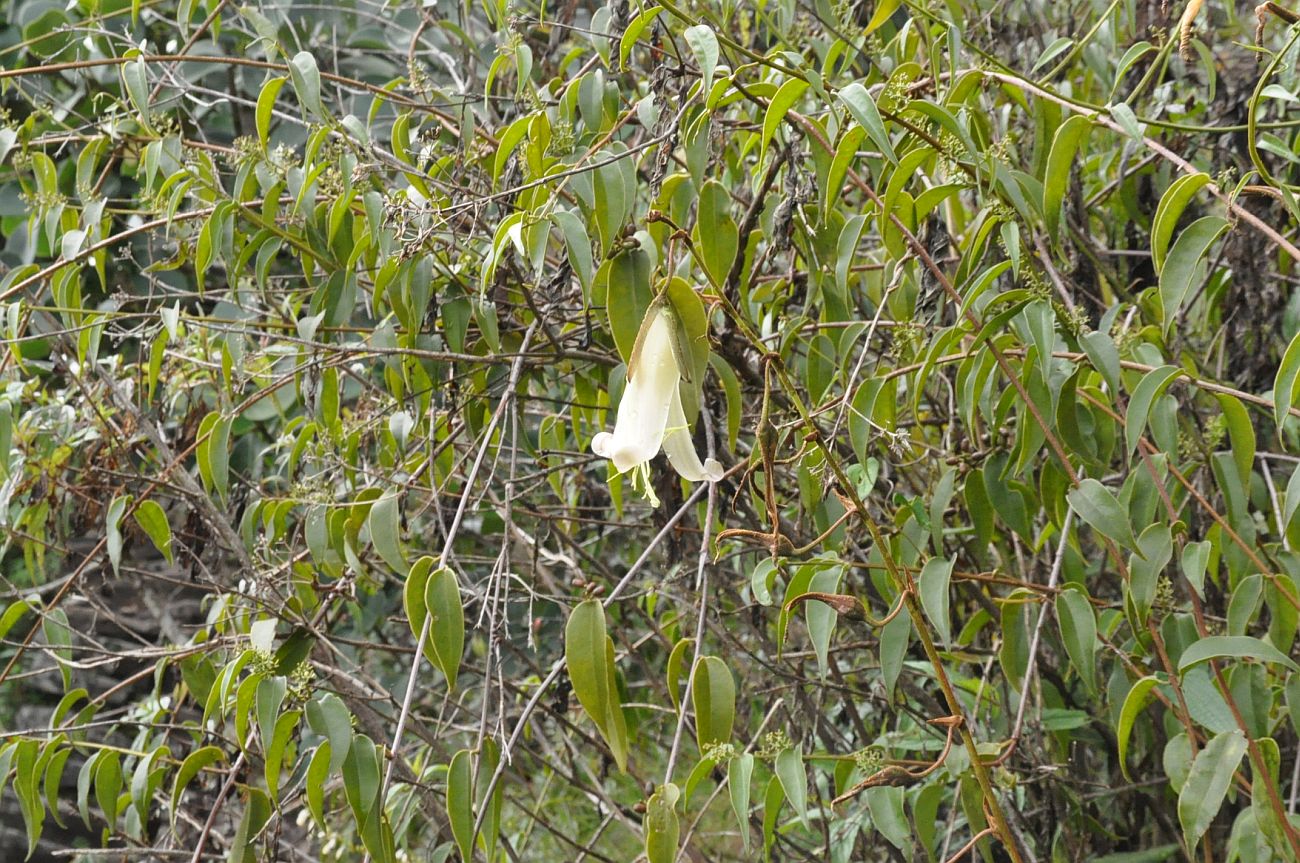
<point x="650" y="416"/>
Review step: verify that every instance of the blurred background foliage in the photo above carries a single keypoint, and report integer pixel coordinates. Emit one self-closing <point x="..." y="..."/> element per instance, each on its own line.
<point x="312" y="310"/>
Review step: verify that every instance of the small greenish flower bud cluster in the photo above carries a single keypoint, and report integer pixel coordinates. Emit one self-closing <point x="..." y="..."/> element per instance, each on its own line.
<point x="720" y="753"/>
<point x="1164" y="593"/>
<point x="870" y="759"/>
<point x="774" y="743"/>
<point x="263" y="661"/>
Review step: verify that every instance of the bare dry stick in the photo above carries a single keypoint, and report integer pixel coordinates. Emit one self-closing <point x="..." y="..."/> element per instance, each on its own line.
<point x="506" y="398"/>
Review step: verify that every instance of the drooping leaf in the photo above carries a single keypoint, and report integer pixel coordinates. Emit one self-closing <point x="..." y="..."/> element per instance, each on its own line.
<point x="713" y="693"/>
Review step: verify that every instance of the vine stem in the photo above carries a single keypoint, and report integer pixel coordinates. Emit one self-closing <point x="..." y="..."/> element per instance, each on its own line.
<point x="506" y="398"/>
<point x="558" y="665"/>
<point x="702" y="586"/>
<point x="216" y="807"/>
<point x="1155" y="146"/>
<point x="1032" y="667"/>
<point x="901" y="578"/>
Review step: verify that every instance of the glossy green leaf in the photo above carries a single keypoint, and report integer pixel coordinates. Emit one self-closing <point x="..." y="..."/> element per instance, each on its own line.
<point x="446" y="612"/>
<point x="863" y="108"/>
<point x="1066" y="142"/>
<point x="588" y="656"/>
<point x="713" y="695"/>
<point x="704" y="45"/>
<point x="740" y="773"/>
<point x="1078" y="626"/>
<point x="306" y="82"/>
<point x="1183" y="270"/>
<point x="266" y="105"/>
<point x="780" y="105"/>
<point x="1207" y="784"/>
<point x="1152" y="385"/>
<point x="193" y="764"/>
<point x="328" y="716"/>
<point x="676" y="662"/>
<point x="1286" y="383"/>
<point x="933" y="586"/>
<point x="460" y="803"/>
<point x="1097" y="506"/>
<point x="1134" y="702"/>
<point x="153" y="521"/>
<point x="385" y="527"/>
<point x="884" y="10"/>
<point x="1233" y="647"/>
<point x="635" y="28"/>
<point x="285" y="726"/>
<point x="790" y="771"/>
<point x="662" y="831"/>
<point x="1172" y="204"/>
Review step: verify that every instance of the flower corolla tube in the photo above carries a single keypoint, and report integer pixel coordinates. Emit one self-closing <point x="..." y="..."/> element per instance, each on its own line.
<point x="650" y="416"/>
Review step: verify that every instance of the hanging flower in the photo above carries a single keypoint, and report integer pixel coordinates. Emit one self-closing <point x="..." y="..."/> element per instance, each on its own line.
<point x="650" y="416"/>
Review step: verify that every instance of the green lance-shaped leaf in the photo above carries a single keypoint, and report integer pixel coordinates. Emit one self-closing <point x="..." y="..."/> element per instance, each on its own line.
<point x="413" y="601"/>
<point x="113" y="529"/>
<point x="306" y="82"/>
<point x="318" y="771"/>
<point x="589" y="658"/>
<point x="385" y="523"/>
<point x="1152" y="385"/>
<point x="1184" y="268"/>
<point x="108" y="785"/>
<point x="1233" y="647"/>
<point x="153" y="521"/>
<point x="740" y="773"/>
<point x="55" y="763"/>
<point x="676" y="662"/>
<point x="489" y="833"/>
<point x="27" y="770"/>
<point x="713" y="693"/>
<point x="933" y="585"/>
<point x="1207" y="784"/>
<point x="446" y="622"/>
<point x="1096" y="505"/>
<point x="773" y="797"/>
<point x="213" y="453"/>
<point x="1285" y="384"/>
<point x="136" y="79"/>
<point x="1195" y="560"/>
<point x="328" y="716"/>
<point x="704" y="45"/>
<point x="460" y="803"/>
<point x="794" y="780"/>
<point x="1241" y="433"/>
<point x="1060" y="160"/>
<point x="781" y="103"/>
<point x="628" y="296"/>
<point x="1172" y="204"/>
<point x="257" y="811"/>
<point x="716" y="235"/>
<point x="1154" y="551"/>
<point x="276" y="749"/>
<point x="1136" y="699"/>
<point x="268" y="698"/>
<point x="191" y="767"/>
<point x="633" y="32"/>
<point x="1078" y="625"/>
<point x="662" y="830"/>
<point x="884" y="11"/>
<point x="863" y="108"/>
<point x="361" y="781"/>
<point x="265" y="104"/>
